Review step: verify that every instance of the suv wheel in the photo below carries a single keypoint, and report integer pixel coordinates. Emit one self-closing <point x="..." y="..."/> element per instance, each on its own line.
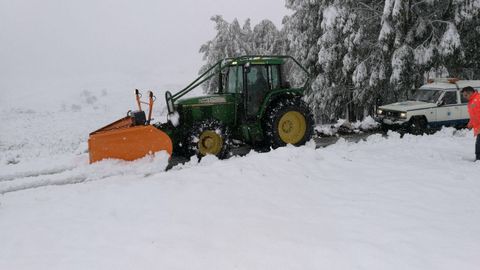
<point x="418" y="125"/>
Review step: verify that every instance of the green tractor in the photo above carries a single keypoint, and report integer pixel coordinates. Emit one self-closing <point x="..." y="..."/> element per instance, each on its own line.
<point x="254" y="103"/>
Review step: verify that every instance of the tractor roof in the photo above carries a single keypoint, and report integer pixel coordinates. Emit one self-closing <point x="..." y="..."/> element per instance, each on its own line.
<point x="257" y="60"/>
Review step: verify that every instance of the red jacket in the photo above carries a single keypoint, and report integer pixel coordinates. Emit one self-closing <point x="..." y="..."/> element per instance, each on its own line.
<point x="474" y="111"/>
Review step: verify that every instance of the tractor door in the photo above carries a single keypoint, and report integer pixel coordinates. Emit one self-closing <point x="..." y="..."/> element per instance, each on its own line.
<point x="234" y="82"/>
<point x="234" y="86"/>
<point x="257" y="87"/>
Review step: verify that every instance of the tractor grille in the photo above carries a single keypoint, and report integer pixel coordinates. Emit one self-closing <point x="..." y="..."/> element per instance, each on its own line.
<point x="185" y="113"/>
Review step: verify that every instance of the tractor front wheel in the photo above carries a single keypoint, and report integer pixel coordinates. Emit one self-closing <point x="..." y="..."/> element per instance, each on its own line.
<point x="209" y="137"/>
<point x="289" y="122"/>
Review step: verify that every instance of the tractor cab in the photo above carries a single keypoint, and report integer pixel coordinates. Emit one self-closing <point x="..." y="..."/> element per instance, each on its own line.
<point x="251" y="81"/>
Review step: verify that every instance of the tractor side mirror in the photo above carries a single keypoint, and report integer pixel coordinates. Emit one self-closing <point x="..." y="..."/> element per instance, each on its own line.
<point x="169" y="99"/>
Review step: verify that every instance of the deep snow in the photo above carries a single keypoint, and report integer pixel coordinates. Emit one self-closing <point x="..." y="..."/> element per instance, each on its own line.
<point x="383" y="203"/>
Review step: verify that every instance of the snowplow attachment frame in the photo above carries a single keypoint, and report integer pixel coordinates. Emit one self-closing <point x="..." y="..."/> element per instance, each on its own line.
<point x="129" y="138"/>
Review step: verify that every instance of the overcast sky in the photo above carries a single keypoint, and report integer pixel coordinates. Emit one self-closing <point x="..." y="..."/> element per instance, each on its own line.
<point x="48" y="40"/>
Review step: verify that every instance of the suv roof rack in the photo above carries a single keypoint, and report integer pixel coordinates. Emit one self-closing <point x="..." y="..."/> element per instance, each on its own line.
<point x="444" y="80"/>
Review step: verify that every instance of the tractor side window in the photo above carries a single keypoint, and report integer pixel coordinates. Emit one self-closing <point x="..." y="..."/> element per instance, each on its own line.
<point x="450" y="98"/>
<point x="235" y="80"/>
<point x="274" y="76"/>
<point x="257" y="87"/>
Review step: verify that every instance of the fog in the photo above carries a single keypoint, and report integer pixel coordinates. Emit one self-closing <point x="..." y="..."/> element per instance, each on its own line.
<point x="59" y="44"/>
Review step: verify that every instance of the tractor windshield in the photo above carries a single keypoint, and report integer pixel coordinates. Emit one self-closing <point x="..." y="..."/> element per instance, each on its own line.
<point x="257" y="78"/>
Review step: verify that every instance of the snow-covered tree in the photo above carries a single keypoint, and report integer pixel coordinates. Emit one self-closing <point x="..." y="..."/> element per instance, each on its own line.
<point x="467" y="22"/>
<point x="421" y="39"/>
<point x="302" y="32"/>
<point x="334" y="44"/>
<point x="376" y="51"/>
<point x="361" y="53"/>
<point x="232" y="40"/>
<point x="336" y="59"/>
<point x="267" y="39"/>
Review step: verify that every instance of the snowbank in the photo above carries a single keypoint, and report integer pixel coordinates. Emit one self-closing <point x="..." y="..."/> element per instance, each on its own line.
<point x="383" y="203"/>
<point x="344" y="127"/>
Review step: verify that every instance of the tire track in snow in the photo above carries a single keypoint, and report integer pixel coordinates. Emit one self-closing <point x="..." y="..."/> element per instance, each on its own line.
<point x="86" y="173"/>
<point x="41" y="178"/>
<point x="67" y="175"/>
<point x="43" y="183"/>
<point x="20" y="175"/>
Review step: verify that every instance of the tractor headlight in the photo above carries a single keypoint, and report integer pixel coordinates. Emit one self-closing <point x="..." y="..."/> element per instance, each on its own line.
<point x="403" y="115"/>
<point x="379" y="111"/>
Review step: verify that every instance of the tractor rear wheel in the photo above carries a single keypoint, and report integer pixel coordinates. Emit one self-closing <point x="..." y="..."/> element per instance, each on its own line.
<point x="208" y="137"/>
<point x="288" y="122"/>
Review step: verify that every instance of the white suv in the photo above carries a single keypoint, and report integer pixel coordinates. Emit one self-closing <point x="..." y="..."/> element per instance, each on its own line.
<point x="436" y="104"/>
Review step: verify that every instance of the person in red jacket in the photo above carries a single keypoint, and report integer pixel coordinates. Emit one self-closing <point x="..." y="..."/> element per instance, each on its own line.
<point x="473" y="98"/>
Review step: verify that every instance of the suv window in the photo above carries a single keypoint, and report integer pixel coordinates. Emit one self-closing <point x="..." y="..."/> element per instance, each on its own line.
<point x="463" y="100"/>
<point x="450" y="98"/>
<point x="426" y="95"/>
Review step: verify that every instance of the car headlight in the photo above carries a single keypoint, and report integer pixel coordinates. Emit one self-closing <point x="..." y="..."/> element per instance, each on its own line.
<point x="403" y="115"/>
<point x="379" y="111"/>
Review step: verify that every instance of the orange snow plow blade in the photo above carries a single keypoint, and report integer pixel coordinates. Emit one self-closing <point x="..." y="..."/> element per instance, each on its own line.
<point x="128" y="143"/>
<point x="129" y="138"/>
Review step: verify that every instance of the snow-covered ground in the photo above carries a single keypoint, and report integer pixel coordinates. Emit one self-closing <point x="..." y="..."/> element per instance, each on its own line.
<point x="383" y="203"/>
<point x="343" y="126"/>
<point x="69" y="69"/>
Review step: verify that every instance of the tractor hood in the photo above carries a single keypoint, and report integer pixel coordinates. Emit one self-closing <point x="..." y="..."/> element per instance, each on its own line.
<point x="203" y="100"/>
<point x="406" y="106"/>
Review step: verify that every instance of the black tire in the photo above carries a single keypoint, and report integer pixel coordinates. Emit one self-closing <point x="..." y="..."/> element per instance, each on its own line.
<point x="384" y="128"/>
<point x="192" y="144"/>
<point x="418" y="125"/>
<point x="275" y="113"/>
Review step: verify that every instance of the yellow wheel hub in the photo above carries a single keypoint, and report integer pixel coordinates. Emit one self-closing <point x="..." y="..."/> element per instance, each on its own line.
<point x="292" y="127"/>
<point x="210" y="143"/>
